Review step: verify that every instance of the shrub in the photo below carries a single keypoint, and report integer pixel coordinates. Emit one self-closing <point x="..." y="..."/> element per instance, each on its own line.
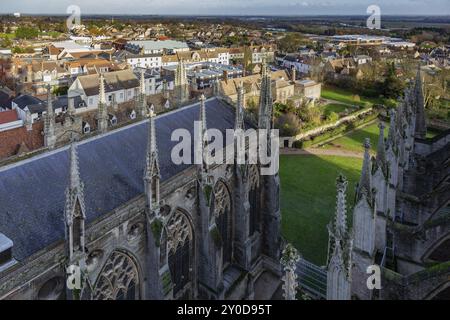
<point x="288" y="124"/>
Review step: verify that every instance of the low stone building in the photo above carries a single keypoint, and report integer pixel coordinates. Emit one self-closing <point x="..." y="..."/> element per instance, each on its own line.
<point x="282" y="87"/>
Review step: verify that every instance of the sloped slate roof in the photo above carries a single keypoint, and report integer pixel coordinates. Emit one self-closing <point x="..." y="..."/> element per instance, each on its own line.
<point x="111" y="167"/>
<point x="114" y="81"/>
<point x="26" y="100"/>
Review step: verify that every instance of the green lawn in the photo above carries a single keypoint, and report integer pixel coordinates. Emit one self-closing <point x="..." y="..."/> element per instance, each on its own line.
<point x="308" y="196"/>
<point x="333" y="107"/>
<point x="353" y="141"/>
<point x="345" y="96"/>
<point x="7" y="35"/>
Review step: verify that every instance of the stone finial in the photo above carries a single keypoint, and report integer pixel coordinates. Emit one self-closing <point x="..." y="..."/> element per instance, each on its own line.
<point x="289" y="260"/>
<point x="75" y="180"/>
<point x="142" y="82"/>
<point x="49" y="101"/>
<point x="49" y="122"/>
<point x="339" y="248"/>
<point x="420" y="125"/>
<point x="202" y="100"/>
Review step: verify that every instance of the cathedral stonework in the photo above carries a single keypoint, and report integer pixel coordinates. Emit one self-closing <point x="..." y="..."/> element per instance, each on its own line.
<point x="400" y="217"/>
<point x="133" y="224"/>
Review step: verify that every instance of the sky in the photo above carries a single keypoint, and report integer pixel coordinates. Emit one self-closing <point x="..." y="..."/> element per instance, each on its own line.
<point x="229" y="7"/>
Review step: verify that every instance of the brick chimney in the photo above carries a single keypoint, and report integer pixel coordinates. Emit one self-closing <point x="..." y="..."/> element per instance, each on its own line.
<point x="293" y="74"/>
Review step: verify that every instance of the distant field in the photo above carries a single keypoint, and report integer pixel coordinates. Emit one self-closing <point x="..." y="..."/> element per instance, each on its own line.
<point x="308" y="197"/>
<point x="345" y="96"/>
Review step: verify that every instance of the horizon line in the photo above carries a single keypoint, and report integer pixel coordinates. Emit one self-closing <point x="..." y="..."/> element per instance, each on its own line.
<point x="230" y="14"/>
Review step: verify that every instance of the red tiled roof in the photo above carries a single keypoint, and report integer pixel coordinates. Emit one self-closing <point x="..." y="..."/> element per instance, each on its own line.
<point x="8" y="116"/>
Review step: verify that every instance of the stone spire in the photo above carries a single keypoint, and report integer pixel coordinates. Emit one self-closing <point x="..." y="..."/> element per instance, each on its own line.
<point x="49" y="101"/>
<point x="181" y="83"/>
<point x="421" y="126"/>
<point x="340" y="247"/>
<point x="381" y="149"/>
<point x="49" y="122"/>
<point x="142" y="83"/>
<point x="204" y="137"/>
<point x="74" y="211"/>
<point x="239" y="122"/>
<point x="265" y="99"/>
<point x="340" y="222"/>
<point x="71" y="106"/>
<point x="102" y="111"/>
<point x="102" y="93"/>
<point x="142" y="108"/>
<point x="365" y="182"/>
<point x="215" y="86"/>
<point x="152" y="173"/>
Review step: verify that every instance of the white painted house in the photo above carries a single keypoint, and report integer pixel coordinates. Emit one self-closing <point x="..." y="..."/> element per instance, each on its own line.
<point x="120" y="86"/>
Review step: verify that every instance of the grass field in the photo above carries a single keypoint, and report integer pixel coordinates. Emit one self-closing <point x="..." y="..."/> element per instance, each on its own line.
<point x="7" y="35"/>
<point x="353" y="141"/>
<point x="345" y="96"/>
<point x="308" y="196"/>
<point x="334" y="107"/>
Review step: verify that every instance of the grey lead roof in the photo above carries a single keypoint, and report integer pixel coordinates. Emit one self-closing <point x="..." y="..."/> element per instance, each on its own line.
<point x="111" y="167"/>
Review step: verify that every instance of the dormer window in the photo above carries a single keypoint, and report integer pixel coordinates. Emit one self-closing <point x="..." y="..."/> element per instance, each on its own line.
<point x="112" y="120"/>
<point x="86" y="128"/>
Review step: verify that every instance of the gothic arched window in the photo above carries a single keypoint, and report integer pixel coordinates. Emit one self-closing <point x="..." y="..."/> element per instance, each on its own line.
<point x="118" y="280"/>
<point x="222" y="215"/>
<point x="180" y="250"/>
<point x="254" y="199"/>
